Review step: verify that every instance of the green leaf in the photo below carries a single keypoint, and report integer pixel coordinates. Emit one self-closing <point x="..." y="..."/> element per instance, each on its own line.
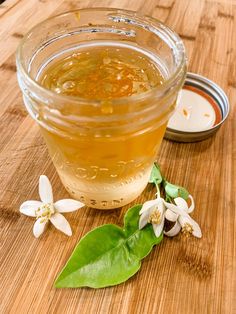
<point x="174" y="191"/>
<point x="108" y="255"/>
<point x="156" y="176"/>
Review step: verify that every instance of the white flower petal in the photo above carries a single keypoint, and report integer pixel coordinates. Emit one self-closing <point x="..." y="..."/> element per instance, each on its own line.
<point x="174" y="230"/>
<point x="39" y="227"/>
<point x="175" y="209"/>
<point x="192" y="206"/>
<point x="196" y="228"/>
<point x="170" y="215"/>
<point x="67" y="205"/>
<point x="143" y="220"/>
<point x="45" y="190"/>
<point x="181" y="203"/>
<point x="28" y="208"/>
<point x="160" y="205"/>
<point x="172" y="207"/>
<point x="158" y="228"/>
<point x="147" y="205"/>
<point x="60" y="222"/>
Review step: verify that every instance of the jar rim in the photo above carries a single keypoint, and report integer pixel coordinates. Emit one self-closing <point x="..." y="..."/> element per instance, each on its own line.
<point x="168" y="83"/>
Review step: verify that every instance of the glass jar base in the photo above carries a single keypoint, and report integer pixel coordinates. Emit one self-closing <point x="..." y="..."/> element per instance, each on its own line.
<point x="101" y="196"/>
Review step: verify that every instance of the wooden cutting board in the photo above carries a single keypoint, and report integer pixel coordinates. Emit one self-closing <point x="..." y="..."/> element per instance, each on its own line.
<point x="180" y="275"/>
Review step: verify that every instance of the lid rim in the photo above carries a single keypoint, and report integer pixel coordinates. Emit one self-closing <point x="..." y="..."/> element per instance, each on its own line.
<point x="221" y="99"/>
<point x="220" y="91"/>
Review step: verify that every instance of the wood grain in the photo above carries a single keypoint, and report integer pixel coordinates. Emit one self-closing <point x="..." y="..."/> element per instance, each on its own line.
<point x="180" y="275"/>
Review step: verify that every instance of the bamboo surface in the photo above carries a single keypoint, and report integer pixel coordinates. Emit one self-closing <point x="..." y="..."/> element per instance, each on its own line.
<point x="180" y="275"/>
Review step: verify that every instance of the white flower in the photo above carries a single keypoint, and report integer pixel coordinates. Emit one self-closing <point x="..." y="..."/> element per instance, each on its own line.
<point x="179" y="213"/>
<point x="45" y="210"/>
<point x="153" y="212"/>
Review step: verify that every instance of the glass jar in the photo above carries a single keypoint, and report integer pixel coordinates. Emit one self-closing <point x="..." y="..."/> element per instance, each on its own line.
<point x="103" y="151"/>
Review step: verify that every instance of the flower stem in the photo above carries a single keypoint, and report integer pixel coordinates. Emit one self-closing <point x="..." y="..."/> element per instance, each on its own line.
<point x="158" y="193"/>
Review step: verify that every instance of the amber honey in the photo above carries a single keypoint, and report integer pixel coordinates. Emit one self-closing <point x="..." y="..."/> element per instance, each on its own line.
<point x="105" y="165"/>
<point x="102" y="73"/>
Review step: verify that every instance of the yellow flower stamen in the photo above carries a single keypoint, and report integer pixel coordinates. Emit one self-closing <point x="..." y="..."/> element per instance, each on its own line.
<point x="155" y="217"/>
<point x="44" y="212"/>
<point x="187" y="229"/>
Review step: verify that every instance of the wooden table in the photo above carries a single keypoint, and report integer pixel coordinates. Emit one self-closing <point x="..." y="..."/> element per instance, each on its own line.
<point x="180" y="275"/>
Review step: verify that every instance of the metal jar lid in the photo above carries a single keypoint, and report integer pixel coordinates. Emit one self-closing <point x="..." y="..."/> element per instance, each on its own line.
<point x="202" y="108"/>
